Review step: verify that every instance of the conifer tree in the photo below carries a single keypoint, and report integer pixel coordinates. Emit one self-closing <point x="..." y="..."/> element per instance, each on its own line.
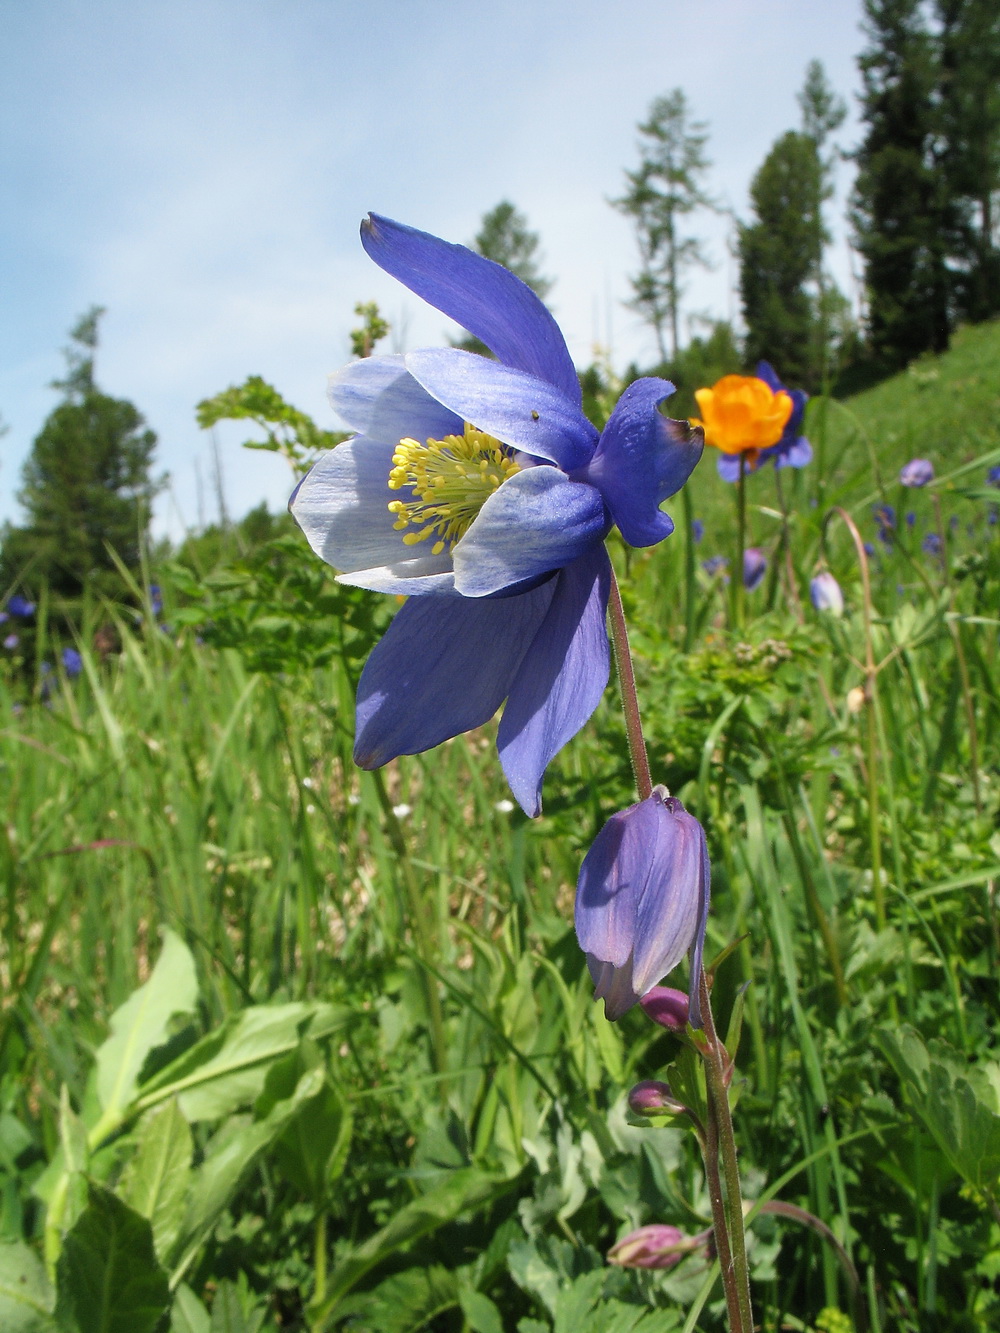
<point x="906" y="220"/>
<point x="86" y="483"/>
<point x="505" y="237"/>
<point x="665" y="187"/>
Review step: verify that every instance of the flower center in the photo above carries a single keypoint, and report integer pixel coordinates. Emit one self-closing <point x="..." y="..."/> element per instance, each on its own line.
<point x="450" y="479"/>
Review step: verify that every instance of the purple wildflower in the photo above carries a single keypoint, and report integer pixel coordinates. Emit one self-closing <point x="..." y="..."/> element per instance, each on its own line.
<point x="826" y="593"/>
<point x="20" y="606"/>
<point x="931" y="544"/>
<point x="697" y="529"/>
<point x="11" y="642"/>
<point x="479" y="490"/>
<point x="754" y="567"/>
<point x="72" y="662"/>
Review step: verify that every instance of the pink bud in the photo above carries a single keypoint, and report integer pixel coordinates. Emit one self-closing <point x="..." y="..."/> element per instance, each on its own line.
<point x="666" y="1006"/>
<point x="649" y="1096"/>
<point x="653" y="1246"/>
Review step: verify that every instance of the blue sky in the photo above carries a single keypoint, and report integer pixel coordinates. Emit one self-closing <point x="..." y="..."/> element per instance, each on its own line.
<point x="199" y="167"/>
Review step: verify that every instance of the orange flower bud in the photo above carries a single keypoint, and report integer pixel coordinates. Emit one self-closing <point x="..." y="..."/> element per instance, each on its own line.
<point x="742" y="415"/>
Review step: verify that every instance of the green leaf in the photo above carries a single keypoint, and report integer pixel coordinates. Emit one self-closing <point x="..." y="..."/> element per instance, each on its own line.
<point x="26" y="1297"/>
<point x="141" y="1024"/>
<point x="312" y="1151"/>
<point x="229" y="1156"/>
<point x="188" y="1315"/>
<point x="463" y="1191"/>
<point x="480" y="1312"/>
<point x="227" y="1069"/>
<point x="157" y="1178"/>
<point x="108" y="1276"/>
<point x="230" y="1313"/>
<point x="955" y="1100"/>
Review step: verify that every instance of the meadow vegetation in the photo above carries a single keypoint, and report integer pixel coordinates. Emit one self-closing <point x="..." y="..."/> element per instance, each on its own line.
<point x="287" y="1045"/>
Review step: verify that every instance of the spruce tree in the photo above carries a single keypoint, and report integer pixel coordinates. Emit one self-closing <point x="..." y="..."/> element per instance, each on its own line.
<point x="86" y="484"/>
<point x="505" y="237"/>
<point x="780" y="256"/>
<point x="665" y="187"/>
<point x="906" y="221"/>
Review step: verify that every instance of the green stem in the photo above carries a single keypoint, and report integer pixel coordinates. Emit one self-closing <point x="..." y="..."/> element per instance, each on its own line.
<point x="630" y="699"/>
<point x="319" y="1261"/>
<point x="716" y="1059"/>
<point x="736" y="573"/>
<point x="690" y="587"/>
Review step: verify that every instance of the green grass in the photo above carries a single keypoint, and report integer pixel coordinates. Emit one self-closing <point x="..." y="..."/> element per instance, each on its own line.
<point x="488" y="1166"/>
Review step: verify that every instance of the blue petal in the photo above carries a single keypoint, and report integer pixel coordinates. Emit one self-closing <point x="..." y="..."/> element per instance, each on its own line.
<point x="729" y="467"/>
<point x="643" y="458"/>
<point x="483" y="297"/>
<point x="537" y="521"/>
<point x="798" y="455"/>
<point x="519" y="409"/>
<point x="379" y="398"/>
<point x="561" y="679"/>
<point x="444" y="666"/>
<point x="342" y="506"/>
<point x="766" y="372"/>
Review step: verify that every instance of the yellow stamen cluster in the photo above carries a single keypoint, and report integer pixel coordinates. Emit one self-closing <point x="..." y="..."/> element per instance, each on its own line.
<point x="450" y="479"/>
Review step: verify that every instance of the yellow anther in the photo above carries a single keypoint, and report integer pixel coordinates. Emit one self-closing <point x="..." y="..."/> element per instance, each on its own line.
<point x="449" y="480"/>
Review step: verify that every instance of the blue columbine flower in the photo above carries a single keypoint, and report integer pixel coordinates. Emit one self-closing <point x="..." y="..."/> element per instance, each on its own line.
<point x="479" y="486"/>
<point x="792" y="450"/>
<point x="72" y="662"/>
<point x="754" y="567"/>
<point x="917" y="472"/>
<point x="642" y="902"/>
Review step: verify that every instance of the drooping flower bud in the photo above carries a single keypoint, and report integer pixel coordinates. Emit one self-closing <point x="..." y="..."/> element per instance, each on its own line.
<point x="651" y="1096"/>
<point x="917" y="472"/>
<point x="754" y="567"/>
<point x="642" y="901"/>
<point x="826" y="594"/>
<point x="666" y="1006"/>
<point x="657" y="1245"/>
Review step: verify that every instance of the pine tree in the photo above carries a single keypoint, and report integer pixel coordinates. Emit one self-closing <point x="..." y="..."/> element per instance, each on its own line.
<point x="666" y="186"/>
<point x="905" y="220"/>
<point x="504" y="237"/>
<point x="969" y="44"/>
<point x="780" y="257"/>
<point x="86" y="483"/>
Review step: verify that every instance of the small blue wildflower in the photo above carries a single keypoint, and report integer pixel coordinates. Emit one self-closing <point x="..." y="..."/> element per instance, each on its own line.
<point x="72" y="662"/>
<point x="477" y="489"/>
<point x="11" y="642"/>
<point x="885" y="516"/>
<point x="993" y="476"/>
<point x="917" y="472"/>
<point x="792" y="450"/>
<point x="826" y="593"/>
<point x="155" y="599"/>
<point x="714" y="564"/>
<point x="931" y="544"/>
<point x="697" y="529"/>
<point x="911" y="518"/>
<point x="754" y="567"/>
<point x="20" y="606"/>
<point x="642" y="902"/>
<point x="4" y="617"/>
<point x="869" y="549"/>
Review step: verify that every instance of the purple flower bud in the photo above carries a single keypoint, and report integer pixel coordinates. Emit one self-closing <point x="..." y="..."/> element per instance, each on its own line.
<point x="642" y="901"/>
<point x="649" y="1096"/>
<point x="714" y="564"/>
<point x="697" y="529"/>
<point x="653" y="1246"/>
<point x="911" y="518"/>
<point x="917" y="472"/>
<point x="11" y="642"/>
<point x="826" y="594"/>
<point x="885" y="516"/>
<point x="754" y="567"/>
<point x="666" y="1006"/>
<point x="993" y="476"/>
<point x="931" y="544"/>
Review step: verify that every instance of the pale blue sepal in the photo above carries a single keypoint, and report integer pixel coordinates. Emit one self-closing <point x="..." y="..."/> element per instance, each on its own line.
<point x="378" y="397"/>
<point x="536" y="521"/>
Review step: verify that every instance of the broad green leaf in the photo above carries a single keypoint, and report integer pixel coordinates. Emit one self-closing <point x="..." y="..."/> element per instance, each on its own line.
<point x="156" y="1181"/>
<point x="142" y="1023"/>
<point x="108" y="1278"/>
<point x="406" y="1302"/>
<point x="312" y="1151"/>
<point x="72" y="1136"/>
<point x="187" y="1314"/>
<point x="229" y="1155"/>
<point x="463" y="1191"/>
<point x="226" y="1070"/>
<point x="481" y="1314"/>
<point x="955" y="1100"/>
<point x="26" y="1297"/>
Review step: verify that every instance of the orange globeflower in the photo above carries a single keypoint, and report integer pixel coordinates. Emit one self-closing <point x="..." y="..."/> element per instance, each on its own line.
<point x="743" y="415"/>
